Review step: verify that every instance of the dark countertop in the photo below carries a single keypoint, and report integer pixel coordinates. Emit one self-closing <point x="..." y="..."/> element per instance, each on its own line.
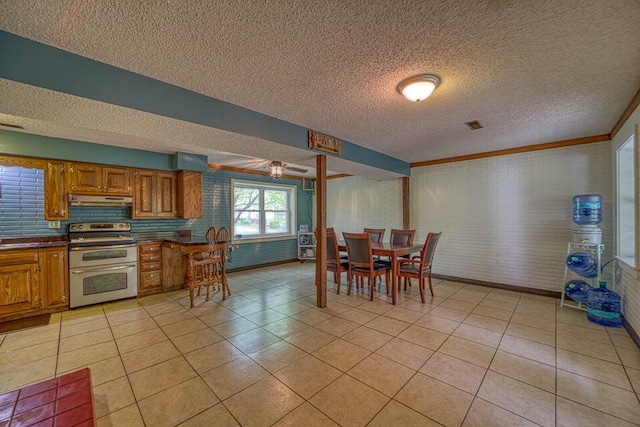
<point x="154" y="236"/>
<point x="187" y="240"/>
<point x="8" y="243"/>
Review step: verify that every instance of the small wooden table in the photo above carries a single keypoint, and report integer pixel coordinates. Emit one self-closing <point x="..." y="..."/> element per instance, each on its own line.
<point x="393" y="252"/>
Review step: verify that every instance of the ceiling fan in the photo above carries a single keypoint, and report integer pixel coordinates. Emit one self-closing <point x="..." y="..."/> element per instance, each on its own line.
<point x="277" y="168"/>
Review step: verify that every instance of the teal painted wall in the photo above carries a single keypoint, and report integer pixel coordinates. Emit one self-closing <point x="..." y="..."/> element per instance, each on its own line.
<point x="45" y="66"/>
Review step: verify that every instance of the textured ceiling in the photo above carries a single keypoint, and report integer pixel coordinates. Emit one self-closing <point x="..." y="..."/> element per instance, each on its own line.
<point x="529" y="71"/>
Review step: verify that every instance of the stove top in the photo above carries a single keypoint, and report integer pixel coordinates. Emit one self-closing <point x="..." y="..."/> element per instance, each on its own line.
<point x="100" y="233"/>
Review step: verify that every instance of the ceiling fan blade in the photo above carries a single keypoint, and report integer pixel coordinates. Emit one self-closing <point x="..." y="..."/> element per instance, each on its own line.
<point x="295" y="169"/>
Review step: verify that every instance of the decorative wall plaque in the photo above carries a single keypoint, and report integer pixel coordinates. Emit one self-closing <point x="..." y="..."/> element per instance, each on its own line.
<point x="318" y="141"/>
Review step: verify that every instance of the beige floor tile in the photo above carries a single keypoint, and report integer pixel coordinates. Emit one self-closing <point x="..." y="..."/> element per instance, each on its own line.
<point x="496" y="313"/>
<point x="264" y="317"/>
<point x="121" y="306"/>
<point x="396" y="414"/>
<point x="106" y="370"/>
<point x="21" y="356"/>
<point x="129" y="416"/>
<point x="307" y="376"/>
<point x="112" y="396"/>
<point x="606" y="372"/>
<point x="135" y="315"/>
<point x="634" y="377"/>
<point x="573" y="414"/>
<point x="247" y="309"/>
<point x="206" y="358"/>
<point x="588" y="348"/>
<point x="586" y="333"/>
<point x="491" y="302"/>
<point x="71" y="329"/>
<point x="341" y="354"/>
<point x="529" y="402"/>
<point x="459" y="305"/>
<point x="382" y="374"/>
<point x="367" y="338"/>
<point x="526" y="370"/>
<point x="532" y="334"/>
<point x="285" y="327"/>
<point x="356" y="315"/>
<point x="82" y="314"/>
<point x="253" y="340"/>
<point x="291" y="308"/>
<point x="76" y="342"/>
<point x="575" y="317"/>
<point x="337" y="326"/>
<point x="234" y="327"/>
<point x="529" y="349"/>
<point x="437" y="400"/>
<point x="349" y="402"/>
<point x="378" y="307"/>
<point x="312" y="316"/>
<point x="485" y="322"/>
<point x="630" y="358"/>
<point x="148" y="356"/>
<point x="387" y="325"/>
<point x="623" y="341"/>
<point x="458" y="373"/>
<point x="232" y="377"/>
<point x="473" y="298"/>
<point x="404" y="314"/>
<point x="16" y="340"/>
<point x="216" y="415"/>
<point x="218" y="315"/>
<point x="162" y="307"/>
<point x="173" y="317"/>
<point x="251" y="408"/>
<point x="478" y="335"/>
<point x="407" y="354"/>
<point x="277" y="355"/>
<point x="28" y="373"/>
<point x="160" y="377"/>
<point x="131" y="328"/>
<point x="422" y="336"/>
<point x="534" y="322"/>
<point x="177" y="404"/>
<point x="484" y="414"/>
<point x="195" y="340"/>
<point x="439" y="324"/>
<point x="477" y="354"/>
<point x="449" y="313"/>
<point x="184" y="327"/>
<point x="603" y="397"/>
<point x="85" y="356"/>
<point x="305" y="415"/>
<point x="310" y="339"/>
<point x="140" y="340"/>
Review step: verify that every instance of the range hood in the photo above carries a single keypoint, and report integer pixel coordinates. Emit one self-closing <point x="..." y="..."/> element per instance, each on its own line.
<point x="109" y="201"/>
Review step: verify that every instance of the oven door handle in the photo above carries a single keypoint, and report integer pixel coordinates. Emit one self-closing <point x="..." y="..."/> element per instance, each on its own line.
<point x="99" y="248"/>
<point x="89" y="270"/>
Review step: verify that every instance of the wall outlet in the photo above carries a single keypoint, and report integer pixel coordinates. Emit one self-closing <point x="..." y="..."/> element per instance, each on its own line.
<point x="54" y="224"/>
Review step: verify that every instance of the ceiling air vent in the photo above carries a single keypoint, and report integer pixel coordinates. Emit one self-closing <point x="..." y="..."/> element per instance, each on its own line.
<point x="474" y="125"/>
<point x="11" y="126"/>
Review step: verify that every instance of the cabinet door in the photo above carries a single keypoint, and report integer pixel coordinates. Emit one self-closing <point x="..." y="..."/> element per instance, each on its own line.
<point x="55" y="200"/>
<point x="144" y="194"/>
<point x="85" y="178"/>
<point x="167" y="206"/>
<point x="116" y="181"/>
<point x="54" y="277"/>
<point x="189" y="194"/>
<point x="19" y="290"/>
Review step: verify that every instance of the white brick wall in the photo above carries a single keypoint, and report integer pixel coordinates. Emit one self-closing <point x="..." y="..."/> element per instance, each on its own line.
<point x="507" y="219"/>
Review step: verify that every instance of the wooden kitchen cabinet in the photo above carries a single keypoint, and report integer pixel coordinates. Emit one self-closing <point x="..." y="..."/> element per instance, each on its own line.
<point x="54" y="277"/>
<point x="19" y="282"/>
<point x="189" y="194"/>
<point x="95" y="179"/>
<point x="55" y="197"/>
<point x="150" y="268"/>
<point x="154" y="195"/>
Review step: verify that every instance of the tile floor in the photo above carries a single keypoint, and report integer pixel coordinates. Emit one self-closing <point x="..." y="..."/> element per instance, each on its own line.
<point x="471" y="356"/>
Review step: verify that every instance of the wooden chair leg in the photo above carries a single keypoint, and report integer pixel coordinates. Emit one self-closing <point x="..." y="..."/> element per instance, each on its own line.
<point x="421" y="286"/>
<point x="191" y="296"/>
<point x="430" y="286"/>
<point x="337" y="280"/>
<point x="372" y="283"/>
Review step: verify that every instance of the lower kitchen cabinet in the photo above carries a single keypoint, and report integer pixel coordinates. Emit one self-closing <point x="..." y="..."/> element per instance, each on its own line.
<point x="150" y="268"/>
<point x="55" y="277"/>
<point x="19" y="282"/>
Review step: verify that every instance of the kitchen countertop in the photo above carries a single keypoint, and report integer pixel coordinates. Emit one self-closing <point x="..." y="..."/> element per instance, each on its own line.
<point x="9" y="243"/>
<point x="187" y="240"/>
<point x="154" y="236"/>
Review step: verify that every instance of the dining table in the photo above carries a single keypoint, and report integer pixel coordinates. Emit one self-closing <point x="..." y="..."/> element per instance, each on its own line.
<point x="393" y="251"/>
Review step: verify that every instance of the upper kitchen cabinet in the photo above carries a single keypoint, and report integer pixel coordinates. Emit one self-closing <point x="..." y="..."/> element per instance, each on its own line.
<point x="55" y="198"/>
<point x="154" y="195"/>
<point x="189" y="194"/>
<point x="94" y="179"/>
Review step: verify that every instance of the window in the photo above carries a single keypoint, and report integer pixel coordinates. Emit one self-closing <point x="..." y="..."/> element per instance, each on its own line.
<point x="626" y="202"/>
<point x="263" y="210"/>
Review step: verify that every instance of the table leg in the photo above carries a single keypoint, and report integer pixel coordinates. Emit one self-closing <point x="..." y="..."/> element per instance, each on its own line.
<point x="394" y="287"/>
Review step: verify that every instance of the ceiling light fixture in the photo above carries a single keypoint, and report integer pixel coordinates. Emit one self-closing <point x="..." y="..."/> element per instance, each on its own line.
<point x="417" y="88"/>
<point x="276" y="169"/>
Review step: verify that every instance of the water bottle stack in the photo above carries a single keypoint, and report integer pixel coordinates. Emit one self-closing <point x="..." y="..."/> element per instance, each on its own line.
<point x="603" y="306"/>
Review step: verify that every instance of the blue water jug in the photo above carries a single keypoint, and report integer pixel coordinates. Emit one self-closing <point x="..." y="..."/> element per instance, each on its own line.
<point x="603" y="306"/>
<point x="582" y="263"/>
<point x="578" y="290"/>
<point x="587" y="209"/>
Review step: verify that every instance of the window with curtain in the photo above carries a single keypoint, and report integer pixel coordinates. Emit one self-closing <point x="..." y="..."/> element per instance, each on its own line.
<point x="263" y="210"/>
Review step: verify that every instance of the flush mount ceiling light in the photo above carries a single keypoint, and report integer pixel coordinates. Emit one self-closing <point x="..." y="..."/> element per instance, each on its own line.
<point x="276" y="169"/>
<point x="417" y="88"/>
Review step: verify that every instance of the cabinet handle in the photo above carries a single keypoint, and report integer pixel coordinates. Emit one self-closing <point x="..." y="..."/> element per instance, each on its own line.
<point x="99" y="186"/>
<point x="151" y="275"/>
<point x="64" y="298"/>
<point x="63" y="212"/>
<point x="55" y="255"/>
<point x="55" y="211"/>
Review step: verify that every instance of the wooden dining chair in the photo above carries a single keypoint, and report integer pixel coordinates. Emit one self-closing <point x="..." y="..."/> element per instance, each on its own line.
<point x="211" y="235"/>
<point x="419" y="267"/>
<point x="376" y="234"/>
<point x="334" y="263"/>
<point x="402" y="237"/>
<point x="361" y="263"/>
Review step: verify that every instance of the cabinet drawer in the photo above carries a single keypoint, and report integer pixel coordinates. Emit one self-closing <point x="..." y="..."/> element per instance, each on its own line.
<point x="150" y="279"/>
<point x="18" y="257"/>
<point x="150" y="257"/>
<point x="150" y="248"/>
<point x="151" y="266"/>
